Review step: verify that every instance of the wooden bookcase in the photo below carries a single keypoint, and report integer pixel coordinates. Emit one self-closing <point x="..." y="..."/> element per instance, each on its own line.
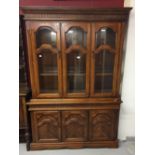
<point x="75" y="58"/>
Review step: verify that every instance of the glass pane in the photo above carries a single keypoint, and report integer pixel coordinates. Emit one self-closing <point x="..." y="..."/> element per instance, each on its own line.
<point x="48" y="72"/>
<point x="75" y="36"/>
<point x="104" y="62"/>
<point x="105" y="36"/>
<point x="104" y="66"/>
<point x="76" y="71"/>
<point x="103" y="84"/>
<point x="46" y="36"/>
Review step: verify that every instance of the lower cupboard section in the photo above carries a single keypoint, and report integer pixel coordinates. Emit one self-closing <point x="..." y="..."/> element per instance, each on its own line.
<point x="74" y="128"/>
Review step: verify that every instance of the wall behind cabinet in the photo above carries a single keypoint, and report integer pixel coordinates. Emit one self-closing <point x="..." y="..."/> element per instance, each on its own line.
<point x="74" y="3"/>
<point x="127" y="110"/>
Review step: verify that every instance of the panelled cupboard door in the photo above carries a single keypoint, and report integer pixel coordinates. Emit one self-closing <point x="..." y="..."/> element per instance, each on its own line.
<point x="103" y="125"/>
<point x="104" y="58"/>
<point x="46" y="126"/>
<point x="74" y="126"/>
<point x="45" y="59"/>
<point x="76" y="51"/>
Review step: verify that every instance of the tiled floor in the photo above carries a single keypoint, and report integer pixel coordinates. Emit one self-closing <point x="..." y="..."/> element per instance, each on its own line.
<point x="125" y="148"/>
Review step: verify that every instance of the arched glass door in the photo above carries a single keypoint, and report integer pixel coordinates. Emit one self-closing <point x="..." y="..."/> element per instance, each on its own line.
<point x="104" y="59"/>
<point x="76" y="59"/>
<point x="47" y="60"/>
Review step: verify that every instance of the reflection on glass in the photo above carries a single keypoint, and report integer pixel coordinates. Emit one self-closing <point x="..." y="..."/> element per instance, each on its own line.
<point x="76" y="71"/>
<point x="48" y="72"/>
<point x="75" y="36"/>
<point x="104" y="66"/>
<point x="105" y="36"/>
<point x="46" y="35"/>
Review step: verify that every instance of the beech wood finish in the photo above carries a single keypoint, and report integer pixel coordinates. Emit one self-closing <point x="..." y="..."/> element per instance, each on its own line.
<point x="85" y="118"/>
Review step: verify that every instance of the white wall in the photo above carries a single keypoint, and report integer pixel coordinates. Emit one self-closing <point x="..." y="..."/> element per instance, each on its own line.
<point x="127" y="112"/>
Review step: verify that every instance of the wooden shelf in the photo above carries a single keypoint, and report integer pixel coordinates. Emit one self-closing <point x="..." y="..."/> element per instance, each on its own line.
<point x="103" y="91"/>
<point x="104" y="74"/>
<point x="49" y="74"/>
<point x="76" y="74"/>
<point x="56" y="74"/>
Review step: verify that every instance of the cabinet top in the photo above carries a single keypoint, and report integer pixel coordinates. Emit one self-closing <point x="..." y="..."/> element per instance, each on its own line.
<point x="36" y="9"/>
<point x="69" y="13"/>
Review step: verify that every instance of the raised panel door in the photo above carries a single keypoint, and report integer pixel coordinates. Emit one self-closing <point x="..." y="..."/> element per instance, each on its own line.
<point x="74" y="126"/>
<point x="103" y="124"/>
<point x="46" y="126"/>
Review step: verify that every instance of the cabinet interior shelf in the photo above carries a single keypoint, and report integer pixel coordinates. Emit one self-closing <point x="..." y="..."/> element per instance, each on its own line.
<point x="56" y="74"/>
<point x="103" y="90"/>
<point x="103" y="74"/>
<point x="76" y="74"/>
<point x="48" y="74"/>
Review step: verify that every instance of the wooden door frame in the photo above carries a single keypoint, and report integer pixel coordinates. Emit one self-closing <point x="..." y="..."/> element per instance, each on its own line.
<point x="115" y="26"/>
<point x="31" y="30"/>
<point x="65" y="26"/>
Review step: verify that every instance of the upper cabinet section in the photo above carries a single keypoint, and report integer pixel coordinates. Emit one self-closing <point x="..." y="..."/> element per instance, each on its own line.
<point x="75" y="53"/>
<point x="45" y="52"/>
<point x="76" y="50"/>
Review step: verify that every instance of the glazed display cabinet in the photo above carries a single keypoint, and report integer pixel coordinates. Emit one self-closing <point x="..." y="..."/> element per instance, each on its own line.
<point x="75" y="59"/>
